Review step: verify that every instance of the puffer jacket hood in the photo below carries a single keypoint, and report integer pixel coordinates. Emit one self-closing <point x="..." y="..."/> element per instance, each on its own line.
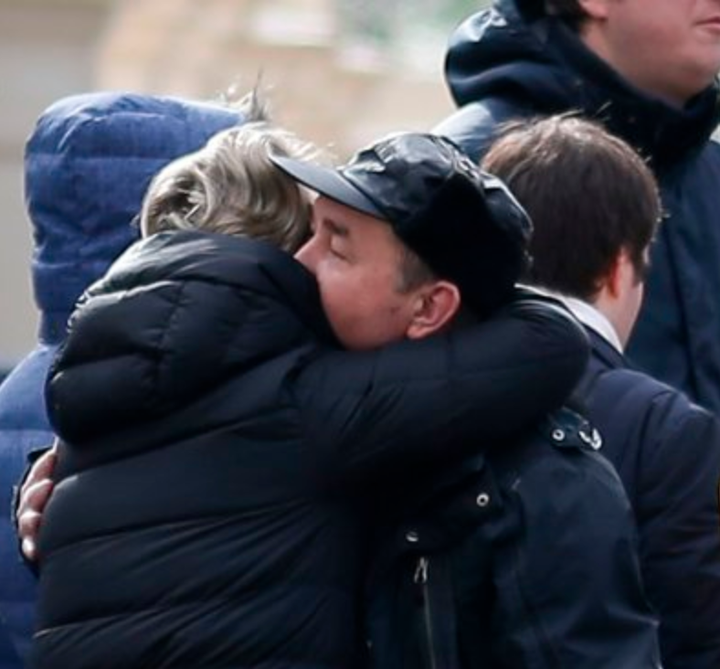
<point x="88" y="163"/>
<point x="513" y="51"/>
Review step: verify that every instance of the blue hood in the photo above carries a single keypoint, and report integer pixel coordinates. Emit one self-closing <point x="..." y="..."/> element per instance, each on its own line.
<point x="538" y="65"/>
<point x="87" y="165"/>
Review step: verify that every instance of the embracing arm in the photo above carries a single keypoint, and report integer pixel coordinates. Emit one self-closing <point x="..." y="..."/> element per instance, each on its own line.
<point x="421" y="402"/>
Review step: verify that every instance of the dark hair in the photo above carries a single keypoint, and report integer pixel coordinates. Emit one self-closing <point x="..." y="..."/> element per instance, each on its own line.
<point x="569" y="11"/>
<point x="414" y="271"/>
<point x="588" y="193"/>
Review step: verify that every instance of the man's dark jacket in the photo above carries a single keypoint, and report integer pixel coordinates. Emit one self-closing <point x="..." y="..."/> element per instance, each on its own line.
<point x="209" y="509"/>
<point x="521" y="558"/>
<point x="667" y="452"/>
<point x="505" y="63"/>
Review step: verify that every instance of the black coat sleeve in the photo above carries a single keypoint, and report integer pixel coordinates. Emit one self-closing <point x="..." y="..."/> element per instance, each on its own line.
<point x="420" y="402"/>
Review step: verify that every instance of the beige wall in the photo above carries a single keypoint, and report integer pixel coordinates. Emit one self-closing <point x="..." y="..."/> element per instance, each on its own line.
<point x="323" y="87"/>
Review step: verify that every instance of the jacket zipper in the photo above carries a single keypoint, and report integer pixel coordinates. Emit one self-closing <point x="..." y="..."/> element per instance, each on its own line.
<point x="421" y="579"/>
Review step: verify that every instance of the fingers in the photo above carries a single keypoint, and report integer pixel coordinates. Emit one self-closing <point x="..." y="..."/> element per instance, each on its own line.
<point x="41" y="471"/>
<point x="34" y="495"/>
<point x="33" y="501"/>
<point x="28" y="533"/>
<point x="43" y="467"/>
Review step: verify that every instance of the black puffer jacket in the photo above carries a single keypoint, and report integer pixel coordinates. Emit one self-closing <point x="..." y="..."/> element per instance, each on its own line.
<point x="505" y="63"/>
<point x="209" y="509"/>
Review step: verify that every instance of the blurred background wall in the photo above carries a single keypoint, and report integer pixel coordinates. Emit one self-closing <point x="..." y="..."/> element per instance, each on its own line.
<point x="338" y="72"/>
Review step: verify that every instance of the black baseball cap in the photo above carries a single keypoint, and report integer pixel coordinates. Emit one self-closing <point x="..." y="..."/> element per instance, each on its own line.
<point x="464" y="223"/>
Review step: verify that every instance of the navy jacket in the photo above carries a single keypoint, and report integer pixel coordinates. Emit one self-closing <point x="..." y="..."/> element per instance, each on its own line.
<point x="667" y="452"/>
<point x="87" y="164"/>
<point x="212" y="496"/>
<point x="522" y="558"/>
<point x="504" y="64"/>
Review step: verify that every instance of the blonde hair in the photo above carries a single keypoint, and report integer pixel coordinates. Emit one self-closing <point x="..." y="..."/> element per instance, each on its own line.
<point x="230" y="186"/>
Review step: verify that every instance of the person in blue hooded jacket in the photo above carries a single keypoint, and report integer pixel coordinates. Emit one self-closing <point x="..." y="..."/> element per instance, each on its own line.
<point x="87" y="165"/>
<point x="646" y="69"/>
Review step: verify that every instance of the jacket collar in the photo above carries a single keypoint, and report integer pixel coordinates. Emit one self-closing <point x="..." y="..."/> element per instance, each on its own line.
<point x="605" y="352"/>
<point x="592" y="319"/>
<point x="250" y="264"/>
<point x="658" y="130"/>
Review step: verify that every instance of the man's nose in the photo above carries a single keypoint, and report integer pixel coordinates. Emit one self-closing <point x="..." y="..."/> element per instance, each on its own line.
<point x="306" y="255"/>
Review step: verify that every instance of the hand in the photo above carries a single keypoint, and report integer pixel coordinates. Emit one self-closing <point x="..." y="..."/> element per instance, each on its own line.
<point x="34" y="495"/>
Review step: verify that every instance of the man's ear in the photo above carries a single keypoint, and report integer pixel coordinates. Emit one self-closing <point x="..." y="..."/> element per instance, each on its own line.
<point x="436" y="305"/>
<point x="612" y="282"/>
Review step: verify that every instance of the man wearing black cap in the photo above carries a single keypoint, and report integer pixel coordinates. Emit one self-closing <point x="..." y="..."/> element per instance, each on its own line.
<point x="413" y="182"/>
<point x="520" y="558"/>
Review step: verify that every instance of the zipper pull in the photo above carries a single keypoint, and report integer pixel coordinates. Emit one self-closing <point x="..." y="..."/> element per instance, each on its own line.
<point x="421" y="571"/>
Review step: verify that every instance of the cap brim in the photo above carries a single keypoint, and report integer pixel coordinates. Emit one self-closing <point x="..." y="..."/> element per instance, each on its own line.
<point x="329" y="182"/>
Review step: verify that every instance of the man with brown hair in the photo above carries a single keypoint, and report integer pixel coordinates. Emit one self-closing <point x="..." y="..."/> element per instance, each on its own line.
<point x="646" y="70"/>
<point x="595" y="209"/>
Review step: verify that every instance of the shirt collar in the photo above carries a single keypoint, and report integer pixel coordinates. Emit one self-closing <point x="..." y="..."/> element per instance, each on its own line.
<point x="588" y="315"/>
